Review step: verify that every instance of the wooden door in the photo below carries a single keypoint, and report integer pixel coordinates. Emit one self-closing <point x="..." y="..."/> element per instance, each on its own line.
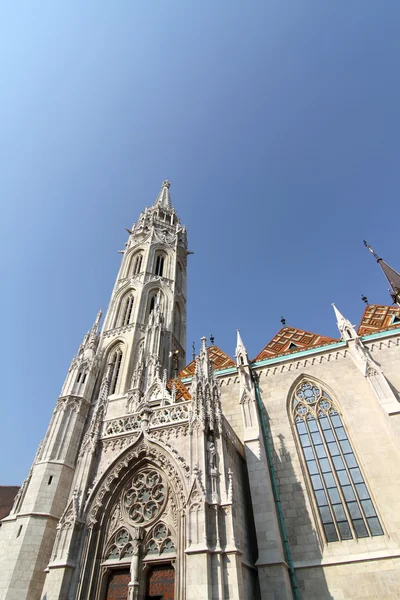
<point x="160" y="583"/>
<point x="117" y="587"/>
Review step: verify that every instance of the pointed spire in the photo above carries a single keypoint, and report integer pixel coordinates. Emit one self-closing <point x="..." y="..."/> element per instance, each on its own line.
<point x="164" y="198"/>
<point x="391" y="275"/>
<point x="96" y="324"/>
<point x="241" y="352"/>
<point x="346" y="329"/>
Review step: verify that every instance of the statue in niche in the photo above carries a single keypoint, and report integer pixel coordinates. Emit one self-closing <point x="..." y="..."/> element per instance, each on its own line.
<point x="211" y="453"/>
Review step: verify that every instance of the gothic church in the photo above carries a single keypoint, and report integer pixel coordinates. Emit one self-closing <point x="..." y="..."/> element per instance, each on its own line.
<point x="273" y="478"/>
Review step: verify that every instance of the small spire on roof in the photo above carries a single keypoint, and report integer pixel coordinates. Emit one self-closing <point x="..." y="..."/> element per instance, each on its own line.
<point x="212" y="338"/>
<point x="346" y="329"/>
<point x="364" y="299"/>
<point x="241" y="352"/>
<point x="164" y="198"/>
<point x="193" y="351"/>
<point x="283" y="321"/>
<point x="391" y="275"/>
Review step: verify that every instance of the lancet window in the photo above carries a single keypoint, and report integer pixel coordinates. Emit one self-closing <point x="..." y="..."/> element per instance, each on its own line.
<point x="159" y="264"/>
<point x="115" y="362"/>
<point x="127" y="307"/>
<point x="344" y="504"/>
<point x="137" y="263"/>
<point x="124" y="316"/>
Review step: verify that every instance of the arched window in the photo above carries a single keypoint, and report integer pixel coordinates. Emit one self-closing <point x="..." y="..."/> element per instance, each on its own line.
<point x="115" y="364"/>
<point x="137" y="263"/>
<point x="127" y="307"/>
<point x="344" y="504"/>
<point x="159" y="265"/>
<point x="125" y="311"/>
<point x="152" y="303"/>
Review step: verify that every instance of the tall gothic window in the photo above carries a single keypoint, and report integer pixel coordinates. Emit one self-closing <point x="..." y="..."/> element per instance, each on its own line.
<point x="159" y="267"/>
<point x="115" y="362"/>
<point x="137" y="264"/>
<point x="125" y="311"/>
<point x="344" y="504"/>
<point x="127" y="307"/>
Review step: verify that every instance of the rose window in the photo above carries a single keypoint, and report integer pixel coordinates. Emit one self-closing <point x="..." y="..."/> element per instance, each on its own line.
<point x="146" y="497"/>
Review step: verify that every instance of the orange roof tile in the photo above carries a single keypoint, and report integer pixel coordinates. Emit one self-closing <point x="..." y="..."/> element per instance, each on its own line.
<point x="182" y="393"/>
<point x="289" y="340"/>
<point x="378" y="317"/>
<point x="217" y="357"/>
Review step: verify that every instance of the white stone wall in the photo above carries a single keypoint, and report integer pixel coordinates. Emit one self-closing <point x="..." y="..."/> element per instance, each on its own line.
<point x="333" y="570"/>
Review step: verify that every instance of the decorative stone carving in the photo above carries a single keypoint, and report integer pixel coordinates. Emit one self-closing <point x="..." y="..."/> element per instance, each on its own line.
<point x="154" y="456"/>
<point x="170" y="414"/>
<point x="160" y="540"/>
<point x="146" y="498"/>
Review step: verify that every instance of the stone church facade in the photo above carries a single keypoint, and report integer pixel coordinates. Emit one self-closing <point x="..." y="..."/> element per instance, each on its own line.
<point x="273" y="478"/>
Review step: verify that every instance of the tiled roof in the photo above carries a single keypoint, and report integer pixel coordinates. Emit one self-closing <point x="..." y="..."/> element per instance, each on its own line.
<point x="289" y="340"/>
<point x="217" y="357"/>
<point x="182" y="393"/>
<point x="7" y="495"/>
<point x="378" y="318"/>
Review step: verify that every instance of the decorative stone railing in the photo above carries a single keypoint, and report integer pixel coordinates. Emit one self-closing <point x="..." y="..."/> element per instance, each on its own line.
<point x="159" y="417"/>
<point x="130" y="424"/>
<point x="169" y="415"/>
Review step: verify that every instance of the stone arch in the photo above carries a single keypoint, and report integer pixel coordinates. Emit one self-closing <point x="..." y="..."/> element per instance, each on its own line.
<point x="111" y="507"/>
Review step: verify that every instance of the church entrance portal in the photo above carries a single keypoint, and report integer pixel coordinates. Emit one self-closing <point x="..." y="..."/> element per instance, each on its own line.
<point x="117" y="587"/>
<point x="160" y="583"/>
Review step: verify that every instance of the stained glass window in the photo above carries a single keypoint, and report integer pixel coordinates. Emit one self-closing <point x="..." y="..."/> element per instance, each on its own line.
<point x="344" y="504"/>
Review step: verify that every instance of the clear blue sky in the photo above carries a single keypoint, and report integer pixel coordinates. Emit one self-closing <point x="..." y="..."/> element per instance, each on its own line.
<point x="278" y="125"/>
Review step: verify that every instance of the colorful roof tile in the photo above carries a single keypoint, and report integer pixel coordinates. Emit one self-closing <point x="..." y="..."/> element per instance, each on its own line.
<point x="289" y="340"/>
<point x="378" y="317"/>
<point x="219" y="359"/>
<point x="182" y="393"/>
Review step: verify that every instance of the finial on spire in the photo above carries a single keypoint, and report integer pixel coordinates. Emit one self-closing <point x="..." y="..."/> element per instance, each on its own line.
<point x="391" y="275"/>
<point x="193" y="351"/>
<point x="212" y="338"/>
<point x="371" y="250"/>
<point x="163" y="198"/>
<point x="283" y="321"/>
<point x="364" y="299"/>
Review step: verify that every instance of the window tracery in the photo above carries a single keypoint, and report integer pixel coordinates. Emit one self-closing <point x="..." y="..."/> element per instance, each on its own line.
<point x="121" y="546"/>
<point x="344" y="504"/>
<point x="146" y="497"/>
<point x="161" y="540"/>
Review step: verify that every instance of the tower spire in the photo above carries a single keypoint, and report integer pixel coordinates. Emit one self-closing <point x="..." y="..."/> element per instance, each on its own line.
<point x="391" y="275"/>
<point x="164" y="198"/>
